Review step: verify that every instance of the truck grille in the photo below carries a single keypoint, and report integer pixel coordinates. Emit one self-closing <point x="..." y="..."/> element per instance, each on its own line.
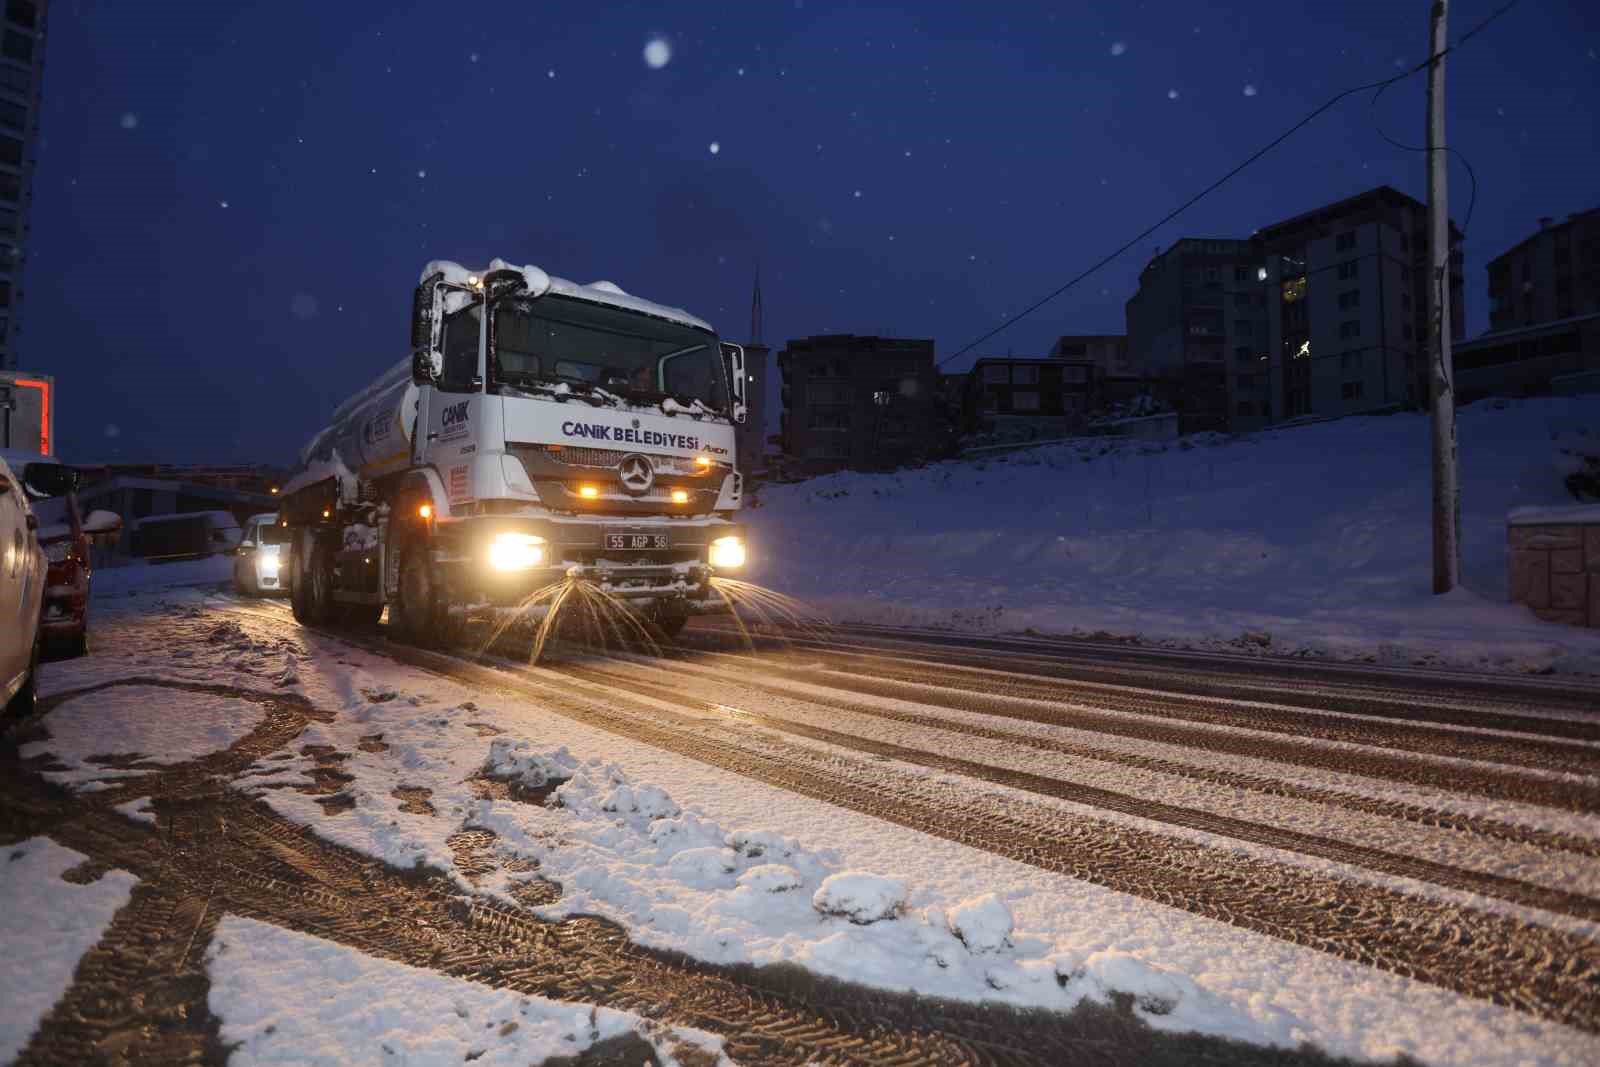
<point x="611" y="458"/>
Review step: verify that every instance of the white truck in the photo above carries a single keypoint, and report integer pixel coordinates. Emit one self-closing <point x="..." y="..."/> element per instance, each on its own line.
<point x="541" y="430"/>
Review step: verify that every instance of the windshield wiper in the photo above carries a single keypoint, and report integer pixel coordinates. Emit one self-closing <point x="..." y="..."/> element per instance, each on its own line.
<point x="562" y="387"/>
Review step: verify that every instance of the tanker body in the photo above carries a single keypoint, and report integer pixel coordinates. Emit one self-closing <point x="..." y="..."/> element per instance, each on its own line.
<point x="566" y="431"/>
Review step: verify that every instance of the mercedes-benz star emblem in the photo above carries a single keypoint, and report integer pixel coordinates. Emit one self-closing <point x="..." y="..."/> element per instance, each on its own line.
<point x="636" y="473"/>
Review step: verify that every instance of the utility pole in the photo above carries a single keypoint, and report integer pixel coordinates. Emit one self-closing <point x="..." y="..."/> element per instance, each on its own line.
<point x="1446" y="486"/>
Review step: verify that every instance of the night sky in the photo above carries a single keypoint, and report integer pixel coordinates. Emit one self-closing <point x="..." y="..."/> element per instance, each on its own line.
<point x="234" y="200"/>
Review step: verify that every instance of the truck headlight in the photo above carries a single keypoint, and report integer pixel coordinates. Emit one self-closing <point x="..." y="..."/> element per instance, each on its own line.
<point x="268" y="562"/>
<point x="516" y="551"/>
<point x="727" y="553"/>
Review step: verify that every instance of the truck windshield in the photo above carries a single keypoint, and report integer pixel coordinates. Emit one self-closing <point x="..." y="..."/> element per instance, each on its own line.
<point x="639" y="357"/>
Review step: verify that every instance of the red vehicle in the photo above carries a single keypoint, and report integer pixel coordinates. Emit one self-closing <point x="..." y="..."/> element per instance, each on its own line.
<point x="64" y="537"/>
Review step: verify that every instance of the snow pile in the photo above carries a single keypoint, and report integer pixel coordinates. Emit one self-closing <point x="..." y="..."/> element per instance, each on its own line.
<point x="1316" y="535"/>
<point x="678" y="880"/>
<point x="290" y="998"/>
<point x="46" y="924"/>
<point x="139" y="576"/>
<point x="518" y="761"/>
<point x="860" y="897"/>
<point x="137" y="724"/>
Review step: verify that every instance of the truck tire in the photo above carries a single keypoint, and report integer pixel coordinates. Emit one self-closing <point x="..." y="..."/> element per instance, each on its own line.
<point x="312" y="591"/>
<point x="419" y="613"/>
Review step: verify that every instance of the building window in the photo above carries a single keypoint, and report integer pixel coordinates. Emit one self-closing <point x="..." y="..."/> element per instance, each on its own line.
<point x="1244" y="355"/>
<point x="1350" y="362"/>
<point x="1344" y="242"/>
<point x="1025" y="400"/>
<point x="1076" y="375"/>
<point x="1405" y="331"/>
<point x="1405" y="302"/>
<point x="1405" y="242"/>
<point x="5" y="294"/>
<point x="1294" y="289"/>
<point x="22" y="12"/>
<point x="990" y="400"/>
<point x="994" y="374"/>
<point x="828" y="394"/>
<point x="1245" y="408"/>
<point x="1350" y="299"/>
<point x="1024" y="375"/>
<point x="1244" y="327"/>
<point x="1349" y="269"/>
<point x="1213" y="274"/>
<point x="829" y="419"/>
<point x="11" y="151"/>
<point x="1241" y="274"/>
<point x="1350" y="328"/>
<point x="14" y="116"/>
<point x="1242" y="300"/>
<point x="1351" y="390"/>
<point x="1071" y="403"/>
<point x="18" y="46"/>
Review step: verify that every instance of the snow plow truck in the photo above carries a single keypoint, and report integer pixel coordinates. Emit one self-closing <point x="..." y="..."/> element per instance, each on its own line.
<point x="539" y="431"/>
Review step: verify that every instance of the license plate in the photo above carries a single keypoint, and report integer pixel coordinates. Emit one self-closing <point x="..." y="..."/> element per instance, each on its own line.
<point x="625" y="540"/>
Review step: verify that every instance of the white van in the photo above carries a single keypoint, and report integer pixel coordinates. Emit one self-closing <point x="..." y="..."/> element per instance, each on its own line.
<point x="258" y="568"/>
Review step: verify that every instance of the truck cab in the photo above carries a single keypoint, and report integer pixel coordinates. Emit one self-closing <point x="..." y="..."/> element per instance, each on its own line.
<point x="541" y="431"/>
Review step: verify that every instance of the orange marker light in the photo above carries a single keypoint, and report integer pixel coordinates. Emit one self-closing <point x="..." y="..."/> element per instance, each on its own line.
<point x="326" y="513"/>
<point x="588" y="492"/>
<point x="680" y="496"/>
<point x="426" y="511"/>
<point x="702" y="461"/>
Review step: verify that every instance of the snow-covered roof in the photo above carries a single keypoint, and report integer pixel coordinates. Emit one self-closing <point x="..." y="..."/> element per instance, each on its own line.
<point x="1570" y="515"/>
<point x="539" y="283"/>
<point x="219" y="518"/>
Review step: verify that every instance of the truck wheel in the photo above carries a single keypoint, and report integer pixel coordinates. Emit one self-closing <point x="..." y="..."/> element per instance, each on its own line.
<point x="317" y="607"/>
<point x="418" y="612"/>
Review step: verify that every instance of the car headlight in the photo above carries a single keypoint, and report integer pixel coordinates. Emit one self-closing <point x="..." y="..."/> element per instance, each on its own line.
<point x="727" y="553"/>
<point x="516" y="551"/>
<point x="57" y="551"/>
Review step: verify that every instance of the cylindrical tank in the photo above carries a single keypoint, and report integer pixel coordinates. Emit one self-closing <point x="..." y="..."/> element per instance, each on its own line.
<point x="371" y="432"/>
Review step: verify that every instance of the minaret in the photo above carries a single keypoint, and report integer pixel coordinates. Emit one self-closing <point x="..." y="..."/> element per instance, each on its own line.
<point x="752" y="436"/>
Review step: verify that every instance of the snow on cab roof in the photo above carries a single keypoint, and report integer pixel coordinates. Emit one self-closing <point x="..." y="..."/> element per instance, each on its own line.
<point x="601" y="292"/>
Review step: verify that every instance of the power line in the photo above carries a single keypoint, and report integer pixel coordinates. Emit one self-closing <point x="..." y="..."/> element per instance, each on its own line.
<point x="1214" y="186"/>
<point x="1472" y="176"/>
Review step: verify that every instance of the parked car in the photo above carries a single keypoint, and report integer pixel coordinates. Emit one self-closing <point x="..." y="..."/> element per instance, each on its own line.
<point x="22" y="578"/>
<point x="185" y="535"/>
<point x="63" y="535"/>
<point x="259" y="569"/>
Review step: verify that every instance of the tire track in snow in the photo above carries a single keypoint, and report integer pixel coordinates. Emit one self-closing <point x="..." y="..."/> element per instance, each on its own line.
<point x="1481" y="883"/>
<point x="1266" y="785"/>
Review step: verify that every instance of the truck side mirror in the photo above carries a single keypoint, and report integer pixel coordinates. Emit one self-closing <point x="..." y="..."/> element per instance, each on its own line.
<point x="733" y="358"/>
<point x="102" y="522"/>
<point x="422" y="316"/>
<point x="426" y="366"/>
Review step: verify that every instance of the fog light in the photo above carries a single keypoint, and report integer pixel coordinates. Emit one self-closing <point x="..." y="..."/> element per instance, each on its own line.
<point x="680" y="496"/>
<point x="515" y="551"/>
<point x="727" y="553"/>
<point x="588" y="492"/>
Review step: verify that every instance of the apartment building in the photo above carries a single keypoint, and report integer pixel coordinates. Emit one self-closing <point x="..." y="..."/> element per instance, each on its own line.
<point x="1347" y="307"/>
<point x="857" y="402"/>
<point x="21" y="75"/>
<point x="1551" y="275"/>
<point x="1197" y="332"/>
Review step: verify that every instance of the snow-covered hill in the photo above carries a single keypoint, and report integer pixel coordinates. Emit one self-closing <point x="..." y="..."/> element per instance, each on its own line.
<point x="1315" y="537"/>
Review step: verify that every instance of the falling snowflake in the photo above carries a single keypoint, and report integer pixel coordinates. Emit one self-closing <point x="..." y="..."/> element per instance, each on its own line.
<point x="1172" y="94"/>
<point x="741" y="72"/>
<point x="224" y="203"/>
<point x="551" y="73"/>
<point x="422" y="174"/>
<point x="715" y="147"/>
<point x="858" y="194"/>
<point x="473" y="57"/>
<point x="1399" y="64"/>
<point x="1118" y="47"/>
<point x="303" y="306"/>
<point x="113" y="430"/>
<point x="130" y="121"/>
<point x="1250" y="90"/>
<point x="657" y="53"/>
<point x="908" y="153"/>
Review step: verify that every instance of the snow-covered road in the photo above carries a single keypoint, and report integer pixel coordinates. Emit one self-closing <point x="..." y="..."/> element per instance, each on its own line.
<point x="1372" y="862"/>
